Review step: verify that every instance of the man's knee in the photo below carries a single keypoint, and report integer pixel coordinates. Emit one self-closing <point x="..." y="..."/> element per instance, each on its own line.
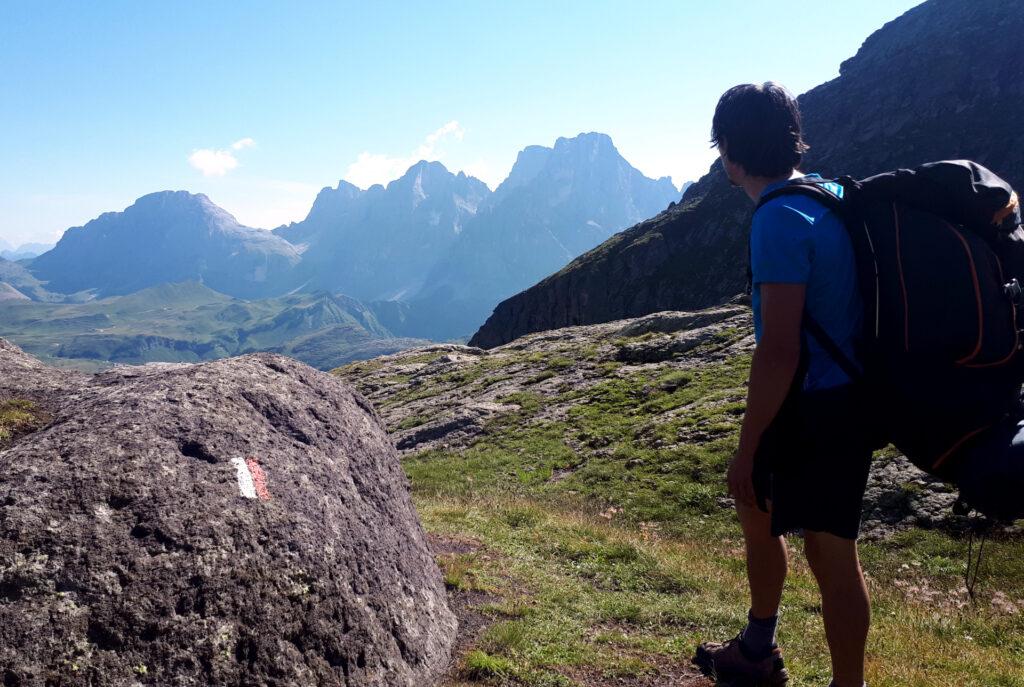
<point x="831" y="557"/>
<point x="754" y="521"/>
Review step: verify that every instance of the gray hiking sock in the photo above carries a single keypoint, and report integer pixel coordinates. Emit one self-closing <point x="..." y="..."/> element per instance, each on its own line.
<point x="759" y="635"/>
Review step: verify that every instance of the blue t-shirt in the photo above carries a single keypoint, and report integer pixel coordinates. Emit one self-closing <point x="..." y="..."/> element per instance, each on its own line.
<point x="794" y="239"/>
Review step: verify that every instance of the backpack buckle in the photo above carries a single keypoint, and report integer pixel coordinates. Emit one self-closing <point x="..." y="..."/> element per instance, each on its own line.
<point x="1013" y="291"/>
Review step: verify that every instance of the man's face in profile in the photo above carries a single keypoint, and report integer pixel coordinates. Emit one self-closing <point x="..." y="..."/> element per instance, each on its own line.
<point x="728" y="166"/>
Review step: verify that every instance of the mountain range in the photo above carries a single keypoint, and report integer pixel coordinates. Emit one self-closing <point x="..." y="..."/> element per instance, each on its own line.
<point x="431" y="253"/>
<point x="427" y="256"/>
<point x="958" y="92"/>
<point x="23" y="251"/>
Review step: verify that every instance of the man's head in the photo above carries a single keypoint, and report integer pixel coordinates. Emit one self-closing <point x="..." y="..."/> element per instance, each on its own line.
<point x="757" y="131"/>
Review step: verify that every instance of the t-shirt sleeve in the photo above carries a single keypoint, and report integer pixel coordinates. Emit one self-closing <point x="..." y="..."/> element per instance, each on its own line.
<point x="780" y="246"/>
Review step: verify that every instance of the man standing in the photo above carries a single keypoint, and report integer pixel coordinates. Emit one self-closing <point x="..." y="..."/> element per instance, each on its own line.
<point x="803" y="457"/>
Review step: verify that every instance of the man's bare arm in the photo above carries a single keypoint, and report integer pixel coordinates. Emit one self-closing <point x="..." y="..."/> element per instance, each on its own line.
<point x="775" y="362"/>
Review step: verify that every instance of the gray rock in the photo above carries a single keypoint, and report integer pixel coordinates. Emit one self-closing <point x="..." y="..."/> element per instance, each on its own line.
<point x="129" y="553"/>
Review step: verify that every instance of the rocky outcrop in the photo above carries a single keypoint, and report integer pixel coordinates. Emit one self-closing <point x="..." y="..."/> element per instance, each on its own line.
<point x="454" y="398"/>
<point x="945" y="80"/>
<point x="244" y="521"/>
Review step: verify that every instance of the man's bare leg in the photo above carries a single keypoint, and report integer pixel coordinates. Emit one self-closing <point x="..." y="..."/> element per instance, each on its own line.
<point x="767" y="563"/>
<point x="752" y="655"/>
<point x="844" y="603"/>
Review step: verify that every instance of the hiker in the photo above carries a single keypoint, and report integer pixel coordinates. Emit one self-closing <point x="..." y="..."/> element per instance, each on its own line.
<point x="802" y="462"/>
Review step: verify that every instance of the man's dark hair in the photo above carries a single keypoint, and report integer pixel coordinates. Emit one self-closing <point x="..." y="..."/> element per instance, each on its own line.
<point x="759" y="129"/>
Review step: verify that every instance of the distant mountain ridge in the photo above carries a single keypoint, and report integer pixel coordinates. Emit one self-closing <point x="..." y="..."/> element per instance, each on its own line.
<point x="433" y="251"/>
<point x="382" y="242"/>
<point x="555" y="204"/>
<point x="23" y="251"/>
<point x="944" y="80"/>
<point x="168" y="237"/>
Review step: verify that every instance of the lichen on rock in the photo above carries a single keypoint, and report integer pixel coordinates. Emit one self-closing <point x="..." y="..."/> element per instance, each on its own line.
<point x="130" y="553"/>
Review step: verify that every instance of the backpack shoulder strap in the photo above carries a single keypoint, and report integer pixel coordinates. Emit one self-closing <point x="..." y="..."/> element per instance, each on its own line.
<point x="828" y="192"/>
<point x="831" y="194"/>
<point x="832" y="348"/>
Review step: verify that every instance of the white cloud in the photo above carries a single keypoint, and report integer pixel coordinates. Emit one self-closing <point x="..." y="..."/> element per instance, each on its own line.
<point x="217" y="163"/>
<point x="373" y="168"/>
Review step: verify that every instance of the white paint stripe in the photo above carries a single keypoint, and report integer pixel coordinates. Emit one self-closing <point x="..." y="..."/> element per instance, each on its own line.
<point x="245" y="483"/>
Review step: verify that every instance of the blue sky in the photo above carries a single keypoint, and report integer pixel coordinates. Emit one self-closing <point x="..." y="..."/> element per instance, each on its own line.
<point x="260" y="104"/>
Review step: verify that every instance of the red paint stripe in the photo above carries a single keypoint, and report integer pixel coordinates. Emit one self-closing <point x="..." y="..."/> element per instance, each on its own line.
<point x="259" y="479"/>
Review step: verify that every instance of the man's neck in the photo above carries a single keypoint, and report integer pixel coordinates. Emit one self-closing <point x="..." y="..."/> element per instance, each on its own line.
<point x="755" y="186"/>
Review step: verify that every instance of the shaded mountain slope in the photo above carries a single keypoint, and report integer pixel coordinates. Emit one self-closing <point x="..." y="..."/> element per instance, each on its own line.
<point x="944" y="80"/>
<point x="556" y="203"/>
<point x="17" y="276"/>
<point x="167" y="237"/>
<point x="382" y="242"/>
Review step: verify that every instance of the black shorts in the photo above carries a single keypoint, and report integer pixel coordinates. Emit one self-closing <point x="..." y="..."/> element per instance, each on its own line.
<point x="813" y="461"/>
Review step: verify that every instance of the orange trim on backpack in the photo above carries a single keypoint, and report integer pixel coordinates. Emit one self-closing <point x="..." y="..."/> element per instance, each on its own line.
<point x="1004" y="212"/>
<point x="977" y="296"/>
<point x="1016" y="332"/>
<point x="903" y="283"/>
<point x="970" y="435"/>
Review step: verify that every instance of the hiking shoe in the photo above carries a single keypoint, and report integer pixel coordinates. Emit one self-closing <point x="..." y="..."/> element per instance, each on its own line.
<point x="729" y="664"/>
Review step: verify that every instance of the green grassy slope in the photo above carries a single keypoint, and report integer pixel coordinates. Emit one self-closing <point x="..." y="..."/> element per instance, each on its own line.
<point x="189" y="322"/>
<point x="584" y="517"/>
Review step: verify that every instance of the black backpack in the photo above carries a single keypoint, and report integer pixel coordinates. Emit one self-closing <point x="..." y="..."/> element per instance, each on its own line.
<point x="940" y="261"/>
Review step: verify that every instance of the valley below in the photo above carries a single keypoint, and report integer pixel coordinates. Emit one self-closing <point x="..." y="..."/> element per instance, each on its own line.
<point x="188" y="322"/>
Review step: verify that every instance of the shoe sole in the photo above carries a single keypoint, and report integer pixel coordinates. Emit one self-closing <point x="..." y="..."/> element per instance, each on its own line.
<point x="706" y="664"/>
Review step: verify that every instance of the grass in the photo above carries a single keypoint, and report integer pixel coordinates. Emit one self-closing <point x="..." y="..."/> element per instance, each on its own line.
<point x="606" y="595"/>
<point x="606" y="554"/>
<point x="17" y="416"/>
<point x="619" y="446"/>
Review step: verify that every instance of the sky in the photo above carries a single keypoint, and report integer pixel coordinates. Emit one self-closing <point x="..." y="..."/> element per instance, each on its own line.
<point x="259" y="105"/>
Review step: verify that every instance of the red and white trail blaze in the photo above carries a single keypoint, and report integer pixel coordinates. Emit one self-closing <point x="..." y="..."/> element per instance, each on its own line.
<point x="252" y="480"/>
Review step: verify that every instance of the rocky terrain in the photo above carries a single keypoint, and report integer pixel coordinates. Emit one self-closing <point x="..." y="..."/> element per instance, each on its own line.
<point x="625" y="412"/>
<point x="957" y="93"/>
<point x="240" y="522"/>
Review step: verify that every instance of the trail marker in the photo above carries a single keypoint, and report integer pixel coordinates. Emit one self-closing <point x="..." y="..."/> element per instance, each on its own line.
<point x="252" y="480"/>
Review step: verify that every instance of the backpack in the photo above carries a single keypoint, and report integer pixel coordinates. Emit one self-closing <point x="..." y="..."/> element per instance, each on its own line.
<point x="940" y="264"/>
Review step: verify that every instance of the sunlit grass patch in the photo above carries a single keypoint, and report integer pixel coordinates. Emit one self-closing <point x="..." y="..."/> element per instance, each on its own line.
<point x="16" y="416"/>
<point x="607" y="596"/>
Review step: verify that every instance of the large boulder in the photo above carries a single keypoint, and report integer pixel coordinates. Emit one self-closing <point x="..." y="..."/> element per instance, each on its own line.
<point x="241" y="522"/>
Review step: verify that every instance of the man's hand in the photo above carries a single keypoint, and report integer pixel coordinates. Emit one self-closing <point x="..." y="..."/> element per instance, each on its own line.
<point x="741" y="479"/>
<point x="775" y="362"/>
